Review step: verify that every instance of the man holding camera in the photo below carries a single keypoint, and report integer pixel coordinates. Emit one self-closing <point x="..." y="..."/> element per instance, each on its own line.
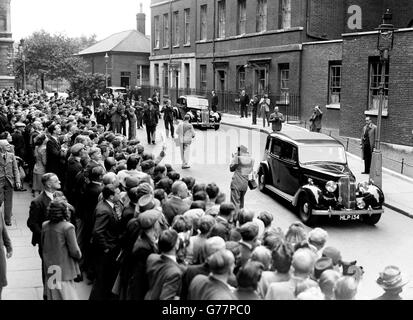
<point x="276" y="119"/>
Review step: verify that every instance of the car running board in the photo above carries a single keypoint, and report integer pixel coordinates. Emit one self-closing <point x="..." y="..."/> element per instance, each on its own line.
<point x="280" y="193"/>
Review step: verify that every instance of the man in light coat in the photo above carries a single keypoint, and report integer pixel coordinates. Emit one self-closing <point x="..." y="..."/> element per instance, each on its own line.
<point x="9" y="179"/>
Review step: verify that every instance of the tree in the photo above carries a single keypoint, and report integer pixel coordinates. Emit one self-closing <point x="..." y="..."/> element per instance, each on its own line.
<point x="52" y="55"/>
<point x="84" y="84"/>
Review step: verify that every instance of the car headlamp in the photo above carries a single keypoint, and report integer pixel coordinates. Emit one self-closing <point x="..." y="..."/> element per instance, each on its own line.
<point x="361" y="204"/>
<point x="364" y="187"/>
<point x="331" y="186"/>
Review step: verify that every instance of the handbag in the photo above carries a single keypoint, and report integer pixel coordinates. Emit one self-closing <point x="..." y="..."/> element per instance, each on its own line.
<point x="252" y="182"/>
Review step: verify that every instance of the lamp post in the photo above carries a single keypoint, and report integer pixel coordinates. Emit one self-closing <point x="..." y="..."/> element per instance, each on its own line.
<point x="106" y="69"/>
<point x="385" y="42"/>
<point x="23" y="57"/>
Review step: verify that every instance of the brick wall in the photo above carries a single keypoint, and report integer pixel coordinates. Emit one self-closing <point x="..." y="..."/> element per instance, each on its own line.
<point x="398" y="125"/>
<point x="326" y="18"/>
<point x="118" y="62"/>
<point x="179" y="6"/>
<point x="315" y="81"/>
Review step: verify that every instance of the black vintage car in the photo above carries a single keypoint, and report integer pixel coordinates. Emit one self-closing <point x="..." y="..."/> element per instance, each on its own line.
<point x="310" y="170"/>
<point x="198" y="109"/>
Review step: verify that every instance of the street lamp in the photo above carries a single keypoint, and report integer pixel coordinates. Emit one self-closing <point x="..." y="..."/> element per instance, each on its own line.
<point x="23" y="57"/>
<point x="106" y="68"/>
<point x="385" y="42"/>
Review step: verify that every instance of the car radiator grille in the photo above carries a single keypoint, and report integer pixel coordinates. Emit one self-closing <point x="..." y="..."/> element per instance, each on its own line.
<point x="205" y="116"/>
<point x="347" y="192"/>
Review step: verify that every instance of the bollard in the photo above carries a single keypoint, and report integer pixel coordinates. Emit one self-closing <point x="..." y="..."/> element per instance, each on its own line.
<point x="402" y="166"/>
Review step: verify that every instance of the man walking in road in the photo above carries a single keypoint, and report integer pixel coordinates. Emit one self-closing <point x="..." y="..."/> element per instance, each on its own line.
<point x="277" y="120"/>
<point x="186" y="134"/>
<point x="168" y="117"/>
<point x="367" y="143"/>
<point x="151" y="118"/>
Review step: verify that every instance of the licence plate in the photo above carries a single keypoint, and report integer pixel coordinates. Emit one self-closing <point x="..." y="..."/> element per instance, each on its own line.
<point x="350" y="217"/>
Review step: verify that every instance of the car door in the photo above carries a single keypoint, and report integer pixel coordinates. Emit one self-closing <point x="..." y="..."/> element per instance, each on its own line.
<point x="274" y="158"/>
<point x="288" y="171"/>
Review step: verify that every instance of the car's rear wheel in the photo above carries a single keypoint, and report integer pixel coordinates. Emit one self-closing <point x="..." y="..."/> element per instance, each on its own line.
<point x="216" y="127"/>
<point x="305" y="211"/>
<point x="371" y="220"/>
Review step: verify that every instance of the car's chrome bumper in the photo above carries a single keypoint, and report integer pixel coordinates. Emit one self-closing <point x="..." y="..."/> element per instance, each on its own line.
<point x="345" y="212"/>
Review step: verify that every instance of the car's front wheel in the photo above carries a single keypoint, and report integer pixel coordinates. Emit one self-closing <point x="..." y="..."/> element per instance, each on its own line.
<point x="371" y="220"/>
<point x="305" y="211"/>
<point x="261" y="181"/>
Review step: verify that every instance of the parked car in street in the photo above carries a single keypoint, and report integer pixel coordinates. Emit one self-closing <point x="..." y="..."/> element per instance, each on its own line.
<point x="198" y="108"/>
<point x="311" y="171"/>
<point x="116" y="91"/>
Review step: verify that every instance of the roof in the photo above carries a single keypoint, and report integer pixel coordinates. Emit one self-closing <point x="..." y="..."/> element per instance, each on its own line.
<point x="126" y="41"/>
<point x="303" y="136"/>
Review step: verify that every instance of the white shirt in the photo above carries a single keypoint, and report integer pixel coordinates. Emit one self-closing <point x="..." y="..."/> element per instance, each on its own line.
<point x="50" y="195"/>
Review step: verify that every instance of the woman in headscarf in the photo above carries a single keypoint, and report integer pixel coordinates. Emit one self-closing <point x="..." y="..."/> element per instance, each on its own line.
<point x="60" y="252"/>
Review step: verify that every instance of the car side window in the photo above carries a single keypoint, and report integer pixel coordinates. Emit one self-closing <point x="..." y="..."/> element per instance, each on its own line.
<point x="289" y="152"/>
<point x="267" y="146"/>
<point x="276" y="147"/>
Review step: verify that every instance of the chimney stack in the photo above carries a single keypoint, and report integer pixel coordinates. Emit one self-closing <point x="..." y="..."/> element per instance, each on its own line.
<point x="141" y="21"/>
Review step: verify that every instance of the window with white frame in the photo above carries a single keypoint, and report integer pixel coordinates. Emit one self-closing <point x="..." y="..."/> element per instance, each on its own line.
<point x="242" y="16"/>
<point x="284" y="82"/>
<point x="187" y="26"/>
<point x="176" y="30"/>
<point x="157" y="32"/>
<point x="285" y="14"/>
<point x="221" y="19"/>
<point x="261" y="15"/>
<point x="203" y="28"/>
<point x="374" y="85"/>
<point x="261" y="80"/>
<point x="166" y="30"/>
<point x="334" y="89"/>
<point x="203" y="77"/>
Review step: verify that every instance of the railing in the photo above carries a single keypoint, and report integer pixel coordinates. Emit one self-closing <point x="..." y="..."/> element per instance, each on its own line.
<point x="353" y="146"/>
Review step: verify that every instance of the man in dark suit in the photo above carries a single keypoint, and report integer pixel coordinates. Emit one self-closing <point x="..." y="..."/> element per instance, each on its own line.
<point x="368" y="139"/>
<point x="214" y="101"/>
<point x="9" y="179"/>
<point x="38" y="210"/>
<point x="277" y="120"/>
<point x="73" y="168"/>
<point x="87" y="206"/>
<point x="244" y="101"/>
<point x="150" y="118"/>
<point x="175" y="204"/>
<point x="53" y="150"/>
<point x="105" y="240"/>
<point x="163" y="271"/>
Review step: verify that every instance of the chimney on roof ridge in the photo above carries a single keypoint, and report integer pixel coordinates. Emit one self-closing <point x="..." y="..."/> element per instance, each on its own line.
<point x="141" y="20"/>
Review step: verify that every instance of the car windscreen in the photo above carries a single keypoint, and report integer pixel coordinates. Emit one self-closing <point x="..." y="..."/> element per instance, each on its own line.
<point x="322" y="153"/>
<point x="193" y="102"/>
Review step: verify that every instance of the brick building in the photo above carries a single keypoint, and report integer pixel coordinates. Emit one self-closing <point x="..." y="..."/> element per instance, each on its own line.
<point x="303" y="52"/>
<point x="6" y="46"/>
<point x="128" y="57"/>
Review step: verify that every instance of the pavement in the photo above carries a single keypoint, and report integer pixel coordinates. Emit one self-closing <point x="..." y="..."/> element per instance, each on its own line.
<point x="397" y="188"/>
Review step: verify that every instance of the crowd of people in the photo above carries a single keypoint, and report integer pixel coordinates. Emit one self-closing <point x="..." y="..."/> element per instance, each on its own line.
<point x="107" y="211"/>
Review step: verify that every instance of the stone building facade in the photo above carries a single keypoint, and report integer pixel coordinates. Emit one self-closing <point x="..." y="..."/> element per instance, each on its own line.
<point x="6" y="46"/>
